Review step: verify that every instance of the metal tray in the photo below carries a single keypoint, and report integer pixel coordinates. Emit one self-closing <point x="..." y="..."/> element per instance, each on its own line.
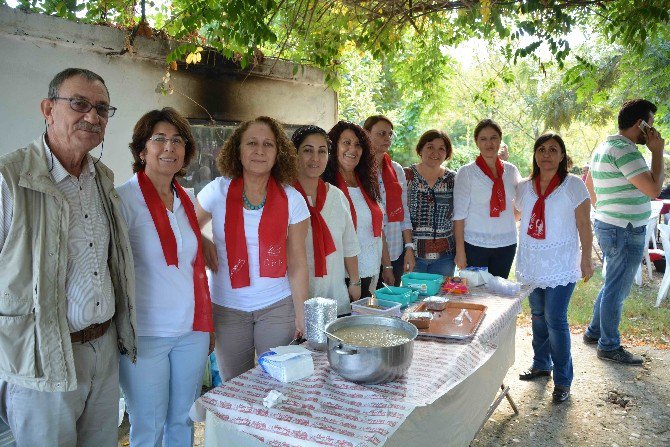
<point x="442" y="325"/>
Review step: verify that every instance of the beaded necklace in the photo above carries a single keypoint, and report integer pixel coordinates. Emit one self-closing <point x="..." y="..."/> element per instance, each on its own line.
<point x="250" y="206"/>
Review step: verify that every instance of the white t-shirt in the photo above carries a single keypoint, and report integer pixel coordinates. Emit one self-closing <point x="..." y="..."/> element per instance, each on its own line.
<point x="337" y="215"/>
<point x="472" y="199"/>
<point x="164" y="297"/>
<point x="370" y="258"/>
<point x="555" y="260"/>
<point x="262" y="292"/>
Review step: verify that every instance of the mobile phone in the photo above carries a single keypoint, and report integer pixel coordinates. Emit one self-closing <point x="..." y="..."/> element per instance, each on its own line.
<point x="644" y="127"/>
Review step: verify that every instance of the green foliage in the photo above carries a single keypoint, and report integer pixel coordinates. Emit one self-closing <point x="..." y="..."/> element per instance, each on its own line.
<point x="393" y="58"/>
<point x="318" y="32"/>
<point x="604" y="76"/>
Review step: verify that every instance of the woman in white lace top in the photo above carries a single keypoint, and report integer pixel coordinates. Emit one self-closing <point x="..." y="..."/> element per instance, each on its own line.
<point x="555" y="222"/>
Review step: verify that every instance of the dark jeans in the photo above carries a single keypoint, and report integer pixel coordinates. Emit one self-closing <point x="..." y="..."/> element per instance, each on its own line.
<point x="498" y="260"/>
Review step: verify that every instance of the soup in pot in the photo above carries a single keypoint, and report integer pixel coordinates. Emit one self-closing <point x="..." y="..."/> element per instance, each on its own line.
<point x="372" y="336"/>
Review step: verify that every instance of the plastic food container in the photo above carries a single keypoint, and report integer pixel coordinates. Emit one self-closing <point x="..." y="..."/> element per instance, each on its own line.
<point x="425" y="283"/>
<point x="401" y="295"/>
<point x="373" y="306"/>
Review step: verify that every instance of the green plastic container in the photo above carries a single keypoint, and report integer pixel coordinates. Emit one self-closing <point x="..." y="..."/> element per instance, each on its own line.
<point x="401" y="295"/>
<point x="426" y="284"/>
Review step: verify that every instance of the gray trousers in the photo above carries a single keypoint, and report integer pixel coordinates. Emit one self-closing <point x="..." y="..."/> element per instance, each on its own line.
<point x="86" y="417"/>
<point x="241" y="334"/>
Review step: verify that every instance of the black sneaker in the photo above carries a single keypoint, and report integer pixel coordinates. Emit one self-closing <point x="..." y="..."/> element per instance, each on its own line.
<point x="620" y="355"/>
<point x="588" y="340"/>
<point x="560" y="394"/>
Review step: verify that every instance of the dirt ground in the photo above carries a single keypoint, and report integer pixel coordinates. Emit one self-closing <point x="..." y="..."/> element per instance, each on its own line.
<point x="611" y="405"/>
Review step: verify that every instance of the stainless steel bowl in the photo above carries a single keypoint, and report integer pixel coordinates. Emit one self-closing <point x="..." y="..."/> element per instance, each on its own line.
<point x="370" y="365"/>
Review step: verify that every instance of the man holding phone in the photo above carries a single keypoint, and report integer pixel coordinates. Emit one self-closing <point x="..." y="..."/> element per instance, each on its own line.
<point x="621" y="185"/>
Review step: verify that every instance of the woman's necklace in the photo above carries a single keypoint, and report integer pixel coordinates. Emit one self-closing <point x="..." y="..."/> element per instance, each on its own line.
<point x="350" y="182"/>
<point x="249" y="205"/>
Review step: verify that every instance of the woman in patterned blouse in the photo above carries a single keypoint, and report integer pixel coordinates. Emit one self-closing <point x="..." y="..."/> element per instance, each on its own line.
<point x="430" y="196"/>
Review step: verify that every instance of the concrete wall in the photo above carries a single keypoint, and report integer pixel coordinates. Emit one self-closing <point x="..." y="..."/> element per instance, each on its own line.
<point x="33" y="48"/>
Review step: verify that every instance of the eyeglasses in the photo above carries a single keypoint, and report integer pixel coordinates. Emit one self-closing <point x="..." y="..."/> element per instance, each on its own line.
<point x="163" y="140"/>
<point x="83" y="106"/>
<point x="384" y="134"/>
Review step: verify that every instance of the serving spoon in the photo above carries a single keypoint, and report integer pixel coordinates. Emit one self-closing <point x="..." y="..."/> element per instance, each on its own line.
<point x="327" y="333"/>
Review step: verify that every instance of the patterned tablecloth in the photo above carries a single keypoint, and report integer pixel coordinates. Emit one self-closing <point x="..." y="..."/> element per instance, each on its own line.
<point x="326" y="410"/>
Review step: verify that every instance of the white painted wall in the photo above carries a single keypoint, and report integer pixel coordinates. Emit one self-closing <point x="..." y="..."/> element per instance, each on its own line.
<point x="33" y="48"/>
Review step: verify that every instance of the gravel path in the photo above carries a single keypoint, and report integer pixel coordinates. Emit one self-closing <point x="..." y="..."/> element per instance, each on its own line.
<point x="610" y="405"/>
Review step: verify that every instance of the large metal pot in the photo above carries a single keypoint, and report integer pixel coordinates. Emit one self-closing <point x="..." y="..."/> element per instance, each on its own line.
<point x="370" y="365"/>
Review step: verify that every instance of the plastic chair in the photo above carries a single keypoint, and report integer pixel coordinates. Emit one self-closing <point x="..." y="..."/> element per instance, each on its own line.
<point x="650" y="236"/>
<point x="665" y="283"/>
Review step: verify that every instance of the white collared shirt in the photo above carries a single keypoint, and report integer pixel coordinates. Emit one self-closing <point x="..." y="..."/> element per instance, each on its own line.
<point x="472" y="198"/>
<point x="164" y="294"/>
<point x="88" y="285"/>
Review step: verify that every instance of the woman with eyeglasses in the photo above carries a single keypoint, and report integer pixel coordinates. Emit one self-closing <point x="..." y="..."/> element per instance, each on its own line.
<point x="259" y="223"/>
<point x="332" y="244"/>
<point x="484" y="220"/>
<point x="430" y="191"/>
<point x="399" y="257"/>
<point x="174" y="313"/>
<point x="555" y="223"/>
<point x="351" y="168"/>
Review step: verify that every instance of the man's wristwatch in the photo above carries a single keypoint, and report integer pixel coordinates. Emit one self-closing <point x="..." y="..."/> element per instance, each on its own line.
<point x="355" y="283"/>
<point x="410" y="245"/>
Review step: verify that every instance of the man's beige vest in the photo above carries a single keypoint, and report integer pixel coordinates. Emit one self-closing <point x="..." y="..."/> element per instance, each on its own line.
<point x="35" y="347"/>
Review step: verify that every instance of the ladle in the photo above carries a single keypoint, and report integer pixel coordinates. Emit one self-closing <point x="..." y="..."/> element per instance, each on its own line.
<point x="327" y="333"/>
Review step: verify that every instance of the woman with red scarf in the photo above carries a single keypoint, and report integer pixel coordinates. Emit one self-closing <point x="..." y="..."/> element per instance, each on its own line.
<point x="484" y="222"/>
<point x="555" y="221"/>
<point x="351" y="168"/>
<point x="332" y="244"/>
<point x="259" y="225"/>
<point x="174" y="312"/>
<point x="399" y="258"/>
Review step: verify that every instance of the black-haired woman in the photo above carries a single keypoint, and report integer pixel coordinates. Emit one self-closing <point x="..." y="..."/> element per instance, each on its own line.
<point x="555" y="222"/>
<point x="332" y="244"/>
<point x="351" y="168"/>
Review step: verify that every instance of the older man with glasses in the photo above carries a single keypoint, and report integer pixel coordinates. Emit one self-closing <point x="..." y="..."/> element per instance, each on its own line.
<point x="66" y="276"/>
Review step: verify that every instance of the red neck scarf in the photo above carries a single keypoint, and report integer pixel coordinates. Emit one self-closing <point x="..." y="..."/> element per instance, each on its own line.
<point x="321" y="237"/>
<point x="537" y="227"/>
<point x="272" y="232"/>
<point x="202" y="315"/>
<point x="497" y="204"/>
<point x="375" y="210"/>
<point x="394" y="209"/>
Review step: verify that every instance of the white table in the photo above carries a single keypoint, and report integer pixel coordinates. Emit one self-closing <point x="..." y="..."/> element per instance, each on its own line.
<point x="444" y="397"/>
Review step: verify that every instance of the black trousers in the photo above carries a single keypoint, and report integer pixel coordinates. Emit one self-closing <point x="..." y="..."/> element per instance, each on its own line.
<point x="498" y="260"/>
